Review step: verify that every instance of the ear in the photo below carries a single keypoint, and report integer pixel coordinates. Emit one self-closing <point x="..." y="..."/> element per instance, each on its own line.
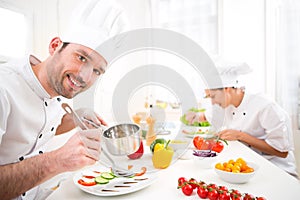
<point x="54" y="44"/>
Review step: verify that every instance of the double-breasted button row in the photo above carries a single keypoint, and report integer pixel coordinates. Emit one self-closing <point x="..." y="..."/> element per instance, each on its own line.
<point x="58" y="99"/>
<point x="233" y="113"/>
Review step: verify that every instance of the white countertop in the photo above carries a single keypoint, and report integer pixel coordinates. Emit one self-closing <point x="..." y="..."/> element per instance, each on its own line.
<point x="269" y="181"/>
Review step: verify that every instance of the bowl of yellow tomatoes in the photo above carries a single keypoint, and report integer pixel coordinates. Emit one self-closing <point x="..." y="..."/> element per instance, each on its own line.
<point x="236" y="170"/>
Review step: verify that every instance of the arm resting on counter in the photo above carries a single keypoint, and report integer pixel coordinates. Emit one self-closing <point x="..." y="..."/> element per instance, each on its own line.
<point x="254" y="142"/>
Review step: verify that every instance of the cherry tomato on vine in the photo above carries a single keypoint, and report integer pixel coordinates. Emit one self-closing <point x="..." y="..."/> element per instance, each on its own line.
<point x="248" y="197"/>
<point x="223" y="188"/>
<point x="187" y="189"/>
<point x="202" y="192"/>
<point x="236" y="196"/>
<point x="212" y="186"/>
<point x="261" y="198"/>
<point x="224" y="195"/>
<point x="212" y="194"/>
<point x="193" y="182"/>
<point x="181" y="181"/>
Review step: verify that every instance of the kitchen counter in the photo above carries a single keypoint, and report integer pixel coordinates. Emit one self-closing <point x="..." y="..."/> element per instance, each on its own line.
<point x="269" y="181"/>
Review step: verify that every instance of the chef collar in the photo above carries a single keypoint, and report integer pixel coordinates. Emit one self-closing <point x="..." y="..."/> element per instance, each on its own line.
<point x="31" y="79"/>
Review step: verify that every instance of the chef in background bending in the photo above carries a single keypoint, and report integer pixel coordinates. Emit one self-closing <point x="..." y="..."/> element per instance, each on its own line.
<point x="252" y="119"/>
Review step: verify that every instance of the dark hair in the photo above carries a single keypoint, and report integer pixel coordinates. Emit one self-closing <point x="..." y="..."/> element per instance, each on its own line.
<point x="65" y="44"/>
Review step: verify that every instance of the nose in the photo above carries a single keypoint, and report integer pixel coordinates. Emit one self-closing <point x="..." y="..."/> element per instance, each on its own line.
<point x="85" y="72"/>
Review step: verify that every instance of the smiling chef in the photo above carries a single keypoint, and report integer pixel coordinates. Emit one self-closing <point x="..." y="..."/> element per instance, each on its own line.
<point x="253" y="119"/>
<point x="31" y="93"/>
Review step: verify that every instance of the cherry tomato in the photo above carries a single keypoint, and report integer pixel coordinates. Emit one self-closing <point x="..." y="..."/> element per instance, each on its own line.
<point x="212" y="186"/>
<point x="223" y="188"/>
<point x="233" y="191"/>
<point x="248" y="197"/>
<point x="182" y="181"/>
<point x="202" y="192"/>
<point x="235" y="195"/>
<point x="224" y="195"/>
<point x="193" y="183"/>
<point x="218" y="147"/>
<point x="261" y="198"/>
<point x="212" y="194"/>
<point x="187" y="189"/>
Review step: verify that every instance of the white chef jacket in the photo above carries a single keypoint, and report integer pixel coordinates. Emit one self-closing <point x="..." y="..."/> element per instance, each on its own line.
<point x="28" y="116"/>
<point x="262" y="118"/>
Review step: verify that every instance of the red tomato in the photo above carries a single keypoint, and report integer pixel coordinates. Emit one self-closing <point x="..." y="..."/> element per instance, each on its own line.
<point x="224" y="195"/>
<point x="248" y="197"/>
<point x="202" y="192"/>
<point x="198" y="141"/>
<point x="82" y="182"/>
<point x="207" y="145"/>
<point x="212" y="186"/>
<point x="218" y="147"/>
<point x="261" y="198"/>
<point x="223" y="188"/>
<point x="193" y="183"/>
<point x="182" y="181"/>
<point x="187" y="189"/>
<point x="236" y="196"/>
<point x="212" y="194"/>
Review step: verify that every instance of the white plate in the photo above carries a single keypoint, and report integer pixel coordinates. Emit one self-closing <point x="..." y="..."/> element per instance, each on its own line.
<point x="191" y="131"/>
<point x="145" y="180"/>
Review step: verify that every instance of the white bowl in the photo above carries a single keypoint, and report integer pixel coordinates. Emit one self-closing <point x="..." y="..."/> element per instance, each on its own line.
<point x="231" y="177"/>
<point x="179" y="144"/>
<point x="205" y="162"/>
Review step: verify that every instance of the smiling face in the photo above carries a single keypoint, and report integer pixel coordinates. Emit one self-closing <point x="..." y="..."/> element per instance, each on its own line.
<point x="72" y="69"/>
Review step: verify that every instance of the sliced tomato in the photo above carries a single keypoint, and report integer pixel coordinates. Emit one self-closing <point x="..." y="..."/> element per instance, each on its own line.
<point x="90" y="177"/>
<point x="82" y="182"/>
<point x="144" y="169"/>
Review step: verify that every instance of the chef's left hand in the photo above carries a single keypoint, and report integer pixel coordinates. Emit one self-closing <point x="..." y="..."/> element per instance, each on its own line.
<point x="90" y="118"/>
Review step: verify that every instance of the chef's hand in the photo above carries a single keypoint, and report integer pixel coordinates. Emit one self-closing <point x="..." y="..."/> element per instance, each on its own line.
<point x="230" y="134"/>
<point x="90" y="118"/>
<point x="193" y="117"/>
<point x="82" y="149"/>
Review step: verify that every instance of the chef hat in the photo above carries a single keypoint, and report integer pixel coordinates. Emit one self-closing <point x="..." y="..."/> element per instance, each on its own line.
<point x="230" y="74"/>
<point x="94" y="21"/>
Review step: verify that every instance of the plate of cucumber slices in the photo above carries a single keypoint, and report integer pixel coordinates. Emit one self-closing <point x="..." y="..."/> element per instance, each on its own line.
<point x="99" y="180"/>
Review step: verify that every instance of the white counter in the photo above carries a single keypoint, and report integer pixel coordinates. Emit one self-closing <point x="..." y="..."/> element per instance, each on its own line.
<point x="269" y="181"/>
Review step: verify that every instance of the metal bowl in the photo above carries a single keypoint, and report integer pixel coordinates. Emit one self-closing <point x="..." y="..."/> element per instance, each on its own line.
<point x="122" y="139"/>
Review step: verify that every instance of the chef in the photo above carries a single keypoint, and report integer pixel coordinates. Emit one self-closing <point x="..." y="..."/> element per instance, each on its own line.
<point x="253" y="119"/>
<point x="31" y="94"/>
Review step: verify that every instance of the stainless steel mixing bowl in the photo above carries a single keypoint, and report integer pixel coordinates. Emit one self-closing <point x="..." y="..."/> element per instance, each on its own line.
<point x="122" y="139"/>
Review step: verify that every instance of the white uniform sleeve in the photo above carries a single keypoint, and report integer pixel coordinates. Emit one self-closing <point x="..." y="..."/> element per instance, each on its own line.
<point x="278" y="128"/>
<point x="4" y="112"/>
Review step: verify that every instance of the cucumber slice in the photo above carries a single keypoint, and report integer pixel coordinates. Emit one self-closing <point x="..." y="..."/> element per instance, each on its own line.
<point x="101" y="180"/>
<point x="107" y="175"/>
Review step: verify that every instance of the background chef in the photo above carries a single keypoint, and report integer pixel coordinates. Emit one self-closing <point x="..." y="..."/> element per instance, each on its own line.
<point x="253" y="119"/>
